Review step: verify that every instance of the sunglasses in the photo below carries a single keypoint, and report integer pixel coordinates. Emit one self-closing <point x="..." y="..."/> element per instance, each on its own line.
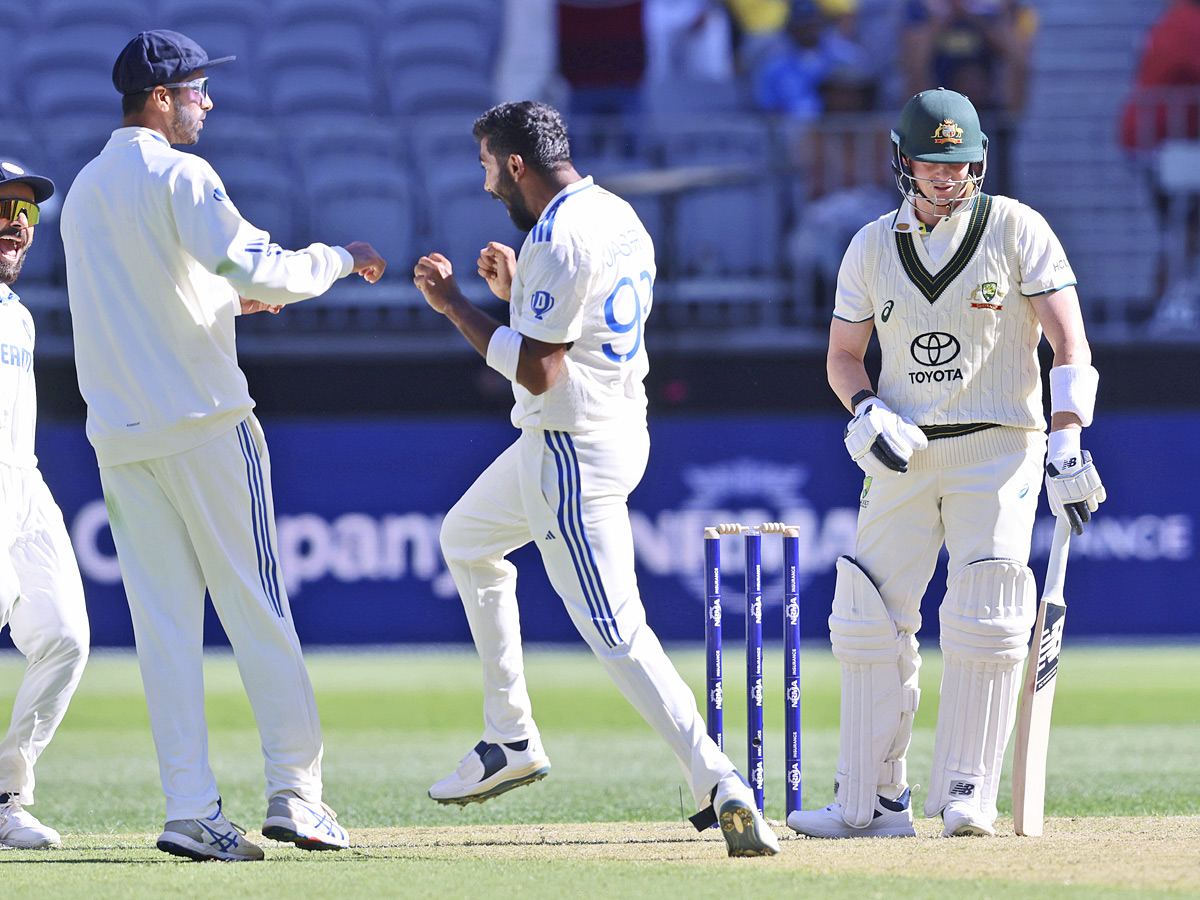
<point x="200" y="86"/>
<point x="12" y="208"/>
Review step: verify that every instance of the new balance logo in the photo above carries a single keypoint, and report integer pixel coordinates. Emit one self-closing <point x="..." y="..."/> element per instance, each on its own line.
<point x="962" y="789"/>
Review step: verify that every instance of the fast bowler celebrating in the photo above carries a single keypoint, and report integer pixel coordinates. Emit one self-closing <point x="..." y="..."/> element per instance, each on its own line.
<point x="959" y="286"/>
<point x="574" y="351"/>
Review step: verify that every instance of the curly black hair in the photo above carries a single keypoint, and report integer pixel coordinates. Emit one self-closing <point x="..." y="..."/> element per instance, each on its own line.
<point x="534" y="131"/>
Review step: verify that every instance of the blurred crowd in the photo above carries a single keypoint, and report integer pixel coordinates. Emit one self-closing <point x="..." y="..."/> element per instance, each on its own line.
<point x="798" y="58"/>
<point x="832" y="71"/>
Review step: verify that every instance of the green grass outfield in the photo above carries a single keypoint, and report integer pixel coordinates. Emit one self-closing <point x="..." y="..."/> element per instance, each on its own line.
<point x="1123" y="792"/>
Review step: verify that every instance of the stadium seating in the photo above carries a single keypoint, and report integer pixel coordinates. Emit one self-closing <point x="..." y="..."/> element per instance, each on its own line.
<point x="131" y="16"/>
<point x="379" y="206"/>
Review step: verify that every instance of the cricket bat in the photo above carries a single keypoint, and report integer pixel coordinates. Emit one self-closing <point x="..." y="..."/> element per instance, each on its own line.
<point x="1037" y="692"/>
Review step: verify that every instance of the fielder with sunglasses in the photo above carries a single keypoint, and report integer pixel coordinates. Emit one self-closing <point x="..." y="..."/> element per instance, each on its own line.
<point x="41" y="593"/>
<point x="159" y="262"/>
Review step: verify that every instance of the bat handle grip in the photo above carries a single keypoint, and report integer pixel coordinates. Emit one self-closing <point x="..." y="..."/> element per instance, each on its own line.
<point x="1056" y="568"/>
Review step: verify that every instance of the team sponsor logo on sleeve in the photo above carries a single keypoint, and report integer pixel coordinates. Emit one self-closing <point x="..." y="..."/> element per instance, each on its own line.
<point x="540" y="303"/>
<point x="935" y="349"/>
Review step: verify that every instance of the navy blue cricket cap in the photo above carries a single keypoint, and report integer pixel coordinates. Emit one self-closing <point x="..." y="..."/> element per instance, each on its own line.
<point x="159" y="57"/>
<point x="10" y="173"/>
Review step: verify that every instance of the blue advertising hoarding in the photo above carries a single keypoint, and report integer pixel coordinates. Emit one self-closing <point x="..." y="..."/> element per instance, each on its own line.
<point x="359" y="505"/>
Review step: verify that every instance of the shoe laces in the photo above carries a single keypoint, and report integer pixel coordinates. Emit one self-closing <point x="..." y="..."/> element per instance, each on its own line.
<point x="325" y="806"/>
<point x="10" y="807"/>
<point x="221" y="815"/>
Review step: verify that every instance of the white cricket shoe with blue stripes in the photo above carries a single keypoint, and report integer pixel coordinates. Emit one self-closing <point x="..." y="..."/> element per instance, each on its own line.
<point x="212" y="837"/>
<point x="492" y="769"/>
<point x="310" y="826"/>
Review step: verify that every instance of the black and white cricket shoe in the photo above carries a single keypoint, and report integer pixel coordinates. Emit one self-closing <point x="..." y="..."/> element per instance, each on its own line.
<point x="492" y="769"/>
<point x="891" y="818"/>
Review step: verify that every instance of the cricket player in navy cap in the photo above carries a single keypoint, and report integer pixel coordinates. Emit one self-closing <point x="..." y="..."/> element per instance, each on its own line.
<point x="159" y="262"/>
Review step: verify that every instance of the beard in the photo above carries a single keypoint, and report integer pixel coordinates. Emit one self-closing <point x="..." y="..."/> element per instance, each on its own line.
<point x="185" y="126"/>
<point x="508" y="194"/>
<point x="9" y="271"/>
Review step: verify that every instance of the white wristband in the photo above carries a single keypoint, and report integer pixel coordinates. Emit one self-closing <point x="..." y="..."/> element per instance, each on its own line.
<point x="504" y="351"/>
<point x="1073" y="389"/>
<point x="1061" y="443"/>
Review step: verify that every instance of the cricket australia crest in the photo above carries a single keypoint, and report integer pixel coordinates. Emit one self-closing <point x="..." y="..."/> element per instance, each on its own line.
<point x="987" y="296"/>
<point x="948" y="132"/>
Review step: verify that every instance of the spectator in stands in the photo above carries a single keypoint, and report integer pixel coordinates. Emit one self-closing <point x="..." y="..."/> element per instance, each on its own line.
<point x="844" y="179"/>
<point x="758" y="29"/>
<point x="689" y="39"/>
<point x="979" y="48"/>
<point x="527" y="56"/>
<point x="602" y="55"/>
<point x="1165" y="104"/>
<point x="821" y="55"/>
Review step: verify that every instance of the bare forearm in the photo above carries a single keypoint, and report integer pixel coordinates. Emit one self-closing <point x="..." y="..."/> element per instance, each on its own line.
<point x="844" y="362"/>
<point x="474" y="324"/>
<point x="847" y="375"/>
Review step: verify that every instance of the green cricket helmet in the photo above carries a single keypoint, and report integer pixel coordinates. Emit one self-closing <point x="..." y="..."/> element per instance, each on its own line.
<point x="939" y="126"/>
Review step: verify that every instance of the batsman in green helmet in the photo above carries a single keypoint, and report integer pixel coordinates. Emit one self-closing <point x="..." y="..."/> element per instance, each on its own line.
<point x="959" y="287"/>
<point x="939" y="127"/>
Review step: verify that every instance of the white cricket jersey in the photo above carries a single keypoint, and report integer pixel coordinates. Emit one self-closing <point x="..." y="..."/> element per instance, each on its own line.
<point x="18" y="396"/>
<point x="157" y="256"/>
<point x="958" y="335"/>
<point x="585" y="276"/>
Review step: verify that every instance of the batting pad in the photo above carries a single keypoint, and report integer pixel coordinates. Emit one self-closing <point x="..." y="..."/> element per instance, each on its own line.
<point x="865" y="641"/>
<point x="986" y="619"/>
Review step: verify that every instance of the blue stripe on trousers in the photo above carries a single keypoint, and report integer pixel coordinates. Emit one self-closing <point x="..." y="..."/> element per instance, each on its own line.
<point x="267" y="568"/>
<point x="570" y="522"/>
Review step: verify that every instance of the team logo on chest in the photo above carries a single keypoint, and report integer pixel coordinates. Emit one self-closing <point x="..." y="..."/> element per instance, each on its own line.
<point x="540" y="303"/>
<point x="987" y="296"/>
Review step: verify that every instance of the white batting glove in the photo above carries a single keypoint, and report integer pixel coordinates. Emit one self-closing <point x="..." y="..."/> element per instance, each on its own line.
<point x="1072" y="483"/>
<point x="880" y="441"/>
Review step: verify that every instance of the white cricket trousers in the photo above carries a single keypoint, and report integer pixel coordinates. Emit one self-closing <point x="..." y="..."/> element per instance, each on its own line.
<point x="568" y="493"/>
<point x="980" y="510"/>
<point x="204" y="519"/>
<point x="48" y="623"/>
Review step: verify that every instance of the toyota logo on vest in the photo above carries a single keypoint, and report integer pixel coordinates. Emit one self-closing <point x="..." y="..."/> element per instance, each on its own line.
<point x="935" y="348"/>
